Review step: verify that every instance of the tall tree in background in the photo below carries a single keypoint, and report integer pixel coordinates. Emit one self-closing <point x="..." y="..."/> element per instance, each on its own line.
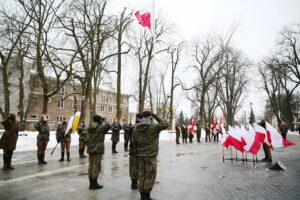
<point x="122" y="24"/>
<point x="12" y="28"/>
<point x="174" y="52"/>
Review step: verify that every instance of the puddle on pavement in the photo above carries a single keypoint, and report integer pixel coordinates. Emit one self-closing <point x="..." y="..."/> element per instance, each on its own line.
<point x="83" y="174"/>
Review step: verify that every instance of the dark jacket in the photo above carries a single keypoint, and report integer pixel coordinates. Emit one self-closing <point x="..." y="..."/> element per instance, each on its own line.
<point x="9" y="138"/>
<point x="115" y="136"/>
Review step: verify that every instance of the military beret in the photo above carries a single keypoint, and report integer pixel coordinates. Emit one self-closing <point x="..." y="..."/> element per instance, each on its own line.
<point x="147" y="114"/>
<point x="98" y="118"/>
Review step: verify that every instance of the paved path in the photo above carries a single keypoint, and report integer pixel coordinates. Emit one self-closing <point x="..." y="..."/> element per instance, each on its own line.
<point x="185" y="172"/>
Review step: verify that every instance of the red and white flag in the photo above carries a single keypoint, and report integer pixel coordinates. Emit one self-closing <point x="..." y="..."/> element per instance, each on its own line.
<point x="144" y="12"/>
<point x="235" y="139"/>
<point x="261" y="133"/>
<point x="251" y="139"/>
<point x="276" y="139"/>
<point x="192" y="125"/>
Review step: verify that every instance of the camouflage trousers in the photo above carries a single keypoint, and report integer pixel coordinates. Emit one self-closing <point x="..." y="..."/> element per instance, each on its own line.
<point x="147" y="173"/>
<point x="133" y="167"/>
<point x="94" y="165"/>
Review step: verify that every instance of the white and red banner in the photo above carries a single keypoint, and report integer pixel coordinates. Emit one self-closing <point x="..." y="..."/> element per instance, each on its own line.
<point x="276" y="139"/>
<point x="192" y="126"/>
<point x="251" y="140"/>
<point x="144" y="12"/>
<point x="235" y="139"/>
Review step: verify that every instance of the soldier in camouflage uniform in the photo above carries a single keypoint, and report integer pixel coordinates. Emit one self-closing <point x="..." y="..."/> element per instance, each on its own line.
<point x="178" y="130"/>
<point x="146" y="139"/>
<point x="198" y="131"/>
<point x="42" y="139"/>
<point x="82" y="131"/>
<point x="9" y="139"/>
<point x="133" y="161"/>
<point x="95" y="148"/>
<point x="64" y="139"/>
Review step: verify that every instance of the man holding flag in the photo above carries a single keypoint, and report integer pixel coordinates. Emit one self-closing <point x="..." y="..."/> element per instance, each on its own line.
<point x="64" y="138"/>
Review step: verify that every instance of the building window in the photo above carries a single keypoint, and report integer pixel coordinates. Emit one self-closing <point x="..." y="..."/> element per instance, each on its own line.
<point x="110" y="109"/>
<point x="60" y="104"/>
<point x="110" y="121"/>
<point x="59" y="118"/>
<point x="102" y="108"/>
<point x="73" y="105"/>
<point x="103" y="98"/>
<point x="35" y="98"/>
<point x="62" y="91"/>
<point x="110" y="98"/>
<point x="124" y="100"/>
<point x="33" y="116"/>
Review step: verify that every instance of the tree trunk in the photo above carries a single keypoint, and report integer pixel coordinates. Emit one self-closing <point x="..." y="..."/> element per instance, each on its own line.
<point x="5" y="90"/>
<point x="119" y="74"/>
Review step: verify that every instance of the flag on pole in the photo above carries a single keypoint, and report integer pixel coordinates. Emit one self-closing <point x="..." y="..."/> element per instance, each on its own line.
<point x="144" y="19"/>
<point x="235" y="139"/>
<point x="224" y="138"/>
<point x="261" y="133"/>
<point x="276" y="139"/>
<point x="76" y="121"/>
<point x="251" y="139"/>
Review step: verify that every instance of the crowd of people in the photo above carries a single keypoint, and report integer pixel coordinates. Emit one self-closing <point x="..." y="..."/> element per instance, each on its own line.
<point x="141" y="138"/>
<point x="188" y="132"/>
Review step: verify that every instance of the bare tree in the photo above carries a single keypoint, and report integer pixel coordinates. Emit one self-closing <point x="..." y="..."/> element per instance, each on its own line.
<point x="144" y="51"/>
<point x="49" y="62"/>
<point x="11" y="30"/>
<point x="122" y="24"/>
<point x="233" y="83"/>
<point x="174" y="52"/>
<point x="207" y="63"/>
<point x="89" y="29"/>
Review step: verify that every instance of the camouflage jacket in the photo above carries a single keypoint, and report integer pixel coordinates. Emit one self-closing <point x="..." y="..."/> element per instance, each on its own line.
<point x="82" y="132"/>
<point x="95" y="138"/>
<point x="61" y="132"/>
<point x="43" y="128"/>
<point x="146" y="138"/>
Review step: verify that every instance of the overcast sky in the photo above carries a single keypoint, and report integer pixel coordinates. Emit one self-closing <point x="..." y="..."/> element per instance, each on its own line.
<point x="259" y="22"/>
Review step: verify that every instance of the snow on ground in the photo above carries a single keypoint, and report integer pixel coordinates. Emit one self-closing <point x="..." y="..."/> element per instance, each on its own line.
<point x="27" y="139"/>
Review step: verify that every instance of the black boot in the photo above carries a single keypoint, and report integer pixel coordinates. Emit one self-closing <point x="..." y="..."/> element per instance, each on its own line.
<point x="62" y="158"/>
<point x="39" y="159"/>
<point x="147" y="195"/>
<point x="134" y="184"/>
<point x="5" y="162"/>
<point x="125" y="147"/>
<point x="91" y="183"/>
<point x="9" y="157"/>
<point x="68" y="156"/>
<point x="143" y="197"/>
<point x="81" y="153"/>
<point x="43" y="159"/>
<point x="95" y="184"/>
<point x="114" y="147"/>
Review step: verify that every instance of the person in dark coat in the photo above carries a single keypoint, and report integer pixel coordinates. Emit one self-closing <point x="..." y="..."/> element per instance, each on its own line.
<point x="178" y="130"/>
<point x="184" y="133"/>
<point x="198" y="131"/>
<point x="207" y="131"/>
<point x="283" y="130"/>
<point x="267" y="150"/>
<point x="115" y="135"/>
<point x="9" y="139"/>
<point x="126" y="129"/>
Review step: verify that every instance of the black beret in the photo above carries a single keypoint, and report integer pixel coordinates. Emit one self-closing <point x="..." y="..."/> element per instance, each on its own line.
<point x="97" y="118"/>
<point x="139" y="115"/>
<point x="147" y="114"/>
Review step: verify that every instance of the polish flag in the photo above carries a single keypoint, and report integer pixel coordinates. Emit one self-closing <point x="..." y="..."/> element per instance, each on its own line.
<point x="276" y="139"/>
<point x="261" y="133"/>
<point x="251" y="139"/>
<point x="144" y="13"/>
<point x="144" y="19"/>
<point x="192" y="125"/>
<point x="224" y="138"/>
<point x="235" y="139"/>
